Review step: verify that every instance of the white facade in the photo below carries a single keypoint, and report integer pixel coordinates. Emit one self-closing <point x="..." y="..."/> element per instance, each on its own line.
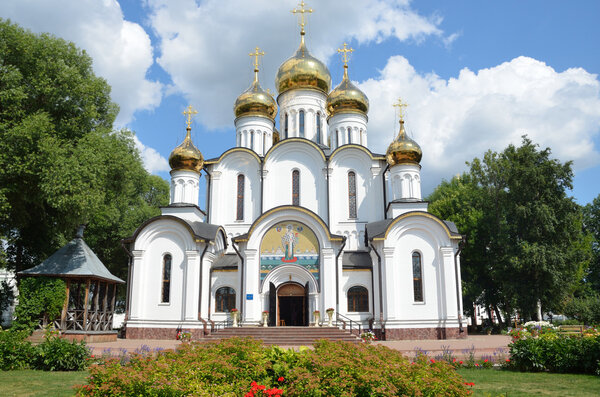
<point x="313" y="222"/>
<point x="8" y="277"/>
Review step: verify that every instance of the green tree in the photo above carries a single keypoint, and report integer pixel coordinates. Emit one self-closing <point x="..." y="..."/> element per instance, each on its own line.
<point x="61" y="163"/>
<point x="591" y="221"/>
<point x="525" y="241"/>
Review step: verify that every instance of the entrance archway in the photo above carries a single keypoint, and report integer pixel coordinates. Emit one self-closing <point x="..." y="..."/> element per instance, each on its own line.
<point x="292" y="305"/>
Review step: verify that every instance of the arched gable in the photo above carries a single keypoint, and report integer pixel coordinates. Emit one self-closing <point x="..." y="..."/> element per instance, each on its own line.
<point x="236" y="151"/>
<point x="419" y="219"/>
<point x="354" y="147"/>
<point x="302" y="144"/>
<point x="179" y="232"/>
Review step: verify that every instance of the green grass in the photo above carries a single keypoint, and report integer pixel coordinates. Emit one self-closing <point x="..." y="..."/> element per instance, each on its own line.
<point x="39" y="383"/>
<point x="488" y="382"/>
<point x="492" y="382"/>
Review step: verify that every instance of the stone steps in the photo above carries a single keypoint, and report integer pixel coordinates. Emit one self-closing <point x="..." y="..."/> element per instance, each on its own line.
<point x="285" y="336"/>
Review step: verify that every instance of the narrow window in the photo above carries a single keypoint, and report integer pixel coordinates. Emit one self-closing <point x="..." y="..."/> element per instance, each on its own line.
<point x="251" y="140"/>
<point x="285" y="127"/>
<point x="417" y="277"/>
<point x="224" y="299"/>
<point x="352" y="195"/>
<point x="264" y="143"/>
<point x="358" y="299"/>
<point x="166" y="279"/>
<point x="240" y="198"/>
<point x="296" y="187"/>
<point x="349" y="135"/>
<point x="319" y="127"/>
<point x="301" y="123"/>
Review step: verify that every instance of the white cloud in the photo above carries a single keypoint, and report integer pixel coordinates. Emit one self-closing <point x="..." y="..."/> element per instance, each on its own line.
<point x="204" y="45"/>
<point x="121" y="50"/>
<point x="153" y="161"/>
<point x="459" y="119"/>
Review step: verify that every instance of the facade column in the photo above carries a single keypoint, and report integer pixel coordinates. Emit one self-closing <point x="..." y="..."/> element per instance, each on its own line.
<point x="328" y="284"/>
<point x="390" y="303"/>
<point x="251" y="309"/>
<point x="205" y="293"/>
<point x="447" y="283"/>
<point x="191" y="286"/>
<point x="137" y="286"/>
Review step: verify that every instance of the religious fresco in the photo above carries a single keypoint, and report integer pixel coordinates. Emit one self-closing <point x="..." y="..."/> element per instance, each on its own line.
<point x="289" y="243"/>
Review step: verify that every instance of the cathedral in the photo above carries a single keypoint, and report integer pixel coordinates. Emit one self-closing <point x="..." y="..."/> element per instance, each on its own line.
<point x="298" y="222"/>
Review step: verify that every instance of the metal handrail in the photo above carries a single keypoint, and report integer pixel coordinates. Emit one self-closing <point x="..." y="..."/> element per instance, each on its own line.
<point x="219" y="325"/>
<point x="354" y="325"/>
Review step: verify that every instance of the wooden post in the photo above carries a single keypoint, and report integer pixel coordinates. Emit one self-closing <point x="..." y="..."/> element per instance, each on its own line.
<point x="95" y="306"/>
<point x="63" y="315"/>
<point x="114" y="297"/>
<point x="105" y="311"/>
<point x="85" y="305"/>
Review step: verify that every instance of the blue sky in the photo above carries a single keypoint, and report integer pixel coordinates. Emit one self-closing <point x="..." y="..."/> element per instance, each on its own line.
<point x="476" y="74"/>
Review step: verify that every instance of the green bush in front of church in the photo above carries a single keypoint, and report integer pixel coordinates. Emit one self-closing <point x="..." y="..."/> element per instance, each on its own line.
<point x="244" y="367"/>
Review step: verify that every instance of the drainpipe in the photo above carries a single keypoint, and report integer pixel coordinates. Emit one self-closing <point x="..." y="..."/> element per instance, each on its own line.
<point x="380" y="286"/>
<point x="200" y="293"/>
<point x="208" y="194"/>
<point x="128" y="293"/>
<point x="458" y="303"/>
<point x="337" y="276"/>
<point x="242" y="275"/>
<point x="384" y="191"/>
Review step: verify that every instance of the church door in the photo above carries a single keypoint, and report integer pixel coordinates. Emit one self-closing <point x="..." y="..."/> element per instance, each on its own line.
<point x="292" y="305"/>
<point x="272" y="305"/>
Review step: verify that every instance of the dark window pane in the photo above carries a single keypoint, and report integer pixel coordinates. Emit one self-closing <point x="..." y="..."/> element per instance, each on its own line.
<point x="225" y="299"/>
<point x="318" y="127"/>
<point x="296" y="187"/>
<point x="358" y="299"/>
<point x="417" y="277"/>
<point x="301" y="123"/>
<point x="166" y="280"/>
<point x="352" y="194"/>
<point x="285" y="129"/>
<point x="240" y="198"/>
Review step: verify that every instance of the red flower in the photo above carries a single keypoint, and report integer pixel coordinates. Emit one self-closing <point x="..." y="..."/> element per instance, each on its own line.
<point x="508" y="360"/>
<point x="485" y="361"/>
<point x="280" y="379"/>
<point x="460" y="362"/>
<point x="433" y="361"/>
<point x="249" y="394"/>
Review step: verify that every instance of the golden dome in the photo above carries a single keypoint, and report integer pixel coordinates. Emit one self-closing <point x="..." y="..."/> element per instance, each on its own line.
<point x="347" y="98"/>
<point x="255" y="102"/>
<point x="186" y="156"/>
<point x="303" y="70"/>
<point x="403" y="150"/>
<point x="275" y="136"/>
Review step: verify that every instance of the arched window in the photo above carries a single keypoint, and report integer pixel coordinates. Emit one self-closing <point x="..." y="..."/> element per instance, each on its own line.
<point x="352" y="195"/>
<point x="285" y="127"/>
<point x="224" y="299"/>
<point x="264" y="143"/>
<point x="240" y="198"/>
<point x="166" y="279"/>
<point x="251" y="140"/>
<point x="296" y="187"/>
<point x="417" y="277"/>
<point x="301" y="123"/>
<point x="358" y="299"/>
<point x="318" y="127"/>
<point x="349" y="131"/>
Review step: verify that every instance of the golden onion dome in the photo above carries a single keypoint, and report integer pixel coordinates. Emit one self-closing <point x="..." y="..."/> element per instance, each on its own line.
<point x="255" y="102"/>
<point x="347" y="98"/>
<point x="186" y="156"/>
<point x="275" y="136"/>
<point x="303" y="70"/>
<point x="403" y="150"/>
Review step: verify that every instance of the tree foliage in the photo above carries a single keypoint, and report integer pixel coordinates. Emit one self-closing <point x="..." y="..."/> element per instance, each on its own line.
<point x="525" y="240"/>
<point x="39" y="297"/>
<point x="61" y="163"/>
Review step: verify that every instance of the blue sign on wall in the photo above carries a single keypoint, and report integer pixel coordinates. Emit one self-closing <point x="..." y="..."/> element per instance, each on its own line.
<point x="249" y="297"/>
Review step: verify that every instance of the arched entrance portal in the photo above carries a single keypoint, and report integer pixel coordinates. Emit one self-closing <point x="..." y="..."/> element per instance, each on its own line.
<point x="291" y="301"/>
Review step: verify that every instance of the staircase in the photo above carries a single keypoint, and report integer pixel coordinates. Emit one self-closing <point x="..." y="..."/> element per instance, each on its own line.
<point x="285" y="336"/>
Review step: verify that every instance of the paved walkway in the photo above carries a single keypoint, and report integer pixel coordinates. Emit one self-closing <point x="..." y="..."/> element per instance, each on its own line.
<point x="481" y="345"/>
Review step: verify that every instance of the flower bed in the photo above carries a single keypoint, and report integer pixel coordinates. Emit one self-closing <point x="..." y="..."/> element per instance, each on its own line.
<point x="239" y="367"/>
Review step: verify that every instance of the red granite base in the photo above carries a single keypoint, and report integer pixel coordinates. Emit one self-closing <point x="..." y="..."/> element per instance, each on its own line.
<point x="421" y="333"/>
<point x="161" y="333"/>
<point x="90" y="338"/>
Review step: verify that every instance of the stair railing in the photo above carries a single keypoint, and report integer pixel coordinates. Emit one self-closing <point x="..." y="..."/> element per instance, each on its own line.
<point x="220" y="325"/>
<point x="347" y="324"/>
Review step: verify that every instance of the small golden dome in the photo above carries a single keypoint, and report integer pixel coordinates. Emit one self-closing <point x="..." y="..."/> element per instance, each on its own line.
<point x="255" y="102"/>
<point x="403" y="150"/>
<point x="347" y="98"/>
<point x="275" y="136"/>
<point x="303" y="70"/>
<point x="186" y="156"/>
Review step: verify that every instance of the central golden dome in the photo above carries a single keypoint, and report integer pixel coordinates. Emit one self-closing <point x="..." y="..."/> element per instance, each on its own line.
<point x="255" y="102"/>
<point x="347" y="98"/>
<point x="186" y="156"/>
<point x="403" y="150"/>
<point x="303" y="70"/>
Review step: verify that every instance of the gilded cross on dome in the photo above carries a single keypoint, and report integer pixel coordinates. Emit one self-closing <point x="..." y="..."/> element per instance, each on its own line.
<point x="256" y="54"/>
<point x="302" y="11"/>
<point x="345" y="51"/>
<point x="189" y="113"/>
<point x="400" y="105"/>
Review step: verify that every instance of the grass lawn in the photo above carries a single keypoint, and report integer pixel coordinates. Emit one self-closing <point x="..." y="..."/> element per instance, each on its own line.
<point x="39" y="383"/>
<point x="492" y="382"/>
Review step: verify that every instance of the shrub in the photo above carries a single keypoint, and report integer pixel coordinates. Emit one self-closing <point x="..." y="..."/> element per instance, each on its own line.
<point x="238" y="367"/>
<point x="556" y="353"/>
<point x="585" y="310"/>
<point x="15" y="351"/>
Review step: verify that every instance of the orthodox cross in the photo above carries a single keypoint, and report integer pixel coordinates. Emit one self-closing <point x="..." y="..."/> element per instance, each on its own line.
<point x="256" y="54"/>
<point x="189" y="113"/>
<point x="400" y="105"/>
<point x="345" y="51"/>
<point x="302" y="11"/>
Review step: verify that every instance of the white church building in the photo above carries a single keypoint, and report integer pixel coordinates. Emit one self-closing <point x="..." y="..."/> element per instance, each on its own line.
<point x="298" y="220"/>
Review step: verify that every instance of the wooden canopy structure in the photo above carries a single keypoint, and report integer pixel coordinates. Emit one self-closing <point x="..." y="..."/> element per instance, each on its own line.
<point x="87" y="313"/>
